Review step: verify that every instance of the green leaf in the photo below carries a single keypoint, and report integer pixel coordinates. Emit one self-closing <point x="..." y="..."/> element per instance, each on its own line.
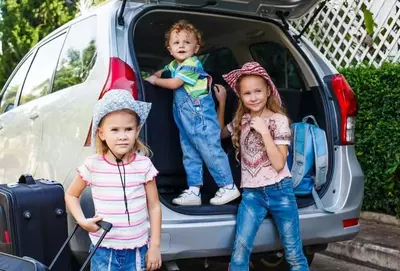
<point x="368" y="21"/>
<point x="378" y="133"/>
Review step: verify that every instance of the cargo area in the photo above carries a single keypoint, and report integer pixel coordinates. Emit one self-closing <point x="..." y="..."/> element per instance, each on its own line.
<point x="229" y="42"/>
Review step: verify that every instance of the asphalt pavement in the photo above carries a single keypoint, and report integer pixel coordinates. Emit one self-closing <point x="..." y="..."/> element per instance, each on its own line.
<point x="320" y="263"/>
<point x="325" y="263"/>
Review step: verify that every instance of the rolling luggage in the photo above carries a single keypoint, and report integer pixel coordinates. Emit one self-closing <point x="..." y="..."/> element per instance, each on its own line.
<point x="13" y="263"/>
<point x="33" y="220"/>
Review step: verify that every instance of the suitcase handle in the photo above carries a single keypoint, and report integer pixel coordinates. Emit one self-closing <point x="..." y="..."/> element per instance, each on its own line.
<point x="26" y="179"/>
<point x="106" y="226"/>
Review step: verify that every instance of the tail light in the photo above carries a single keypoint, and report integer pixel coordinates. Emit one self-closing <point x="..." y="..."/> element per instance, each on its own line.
<point x="350" y="222"/>
<point x="7" y="237"/>
<point x="348" y="108"/>
<point x="120" y="76"/>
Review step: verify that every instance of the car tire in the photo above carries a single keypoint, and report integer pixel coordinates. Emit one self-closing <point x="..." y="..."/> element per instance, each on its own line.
<point x="274" y="261"/>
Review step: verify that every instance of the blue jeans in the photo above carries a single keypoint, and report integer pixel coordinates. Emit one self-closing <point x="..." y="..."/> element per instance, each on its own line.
<point x="107" y="259"/>
<point x="279" y="200"/>
<point x="200" y="136"/>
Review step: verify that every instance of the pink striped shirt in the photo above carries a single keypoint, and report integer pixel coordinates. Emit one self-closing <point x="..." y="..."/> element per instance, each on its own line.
<point x="108" y="197"/>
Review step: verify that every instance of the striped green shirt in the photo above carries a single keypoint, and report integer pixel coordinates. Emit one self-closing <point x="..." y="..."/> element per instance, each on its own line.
<point x="195" y="84"/>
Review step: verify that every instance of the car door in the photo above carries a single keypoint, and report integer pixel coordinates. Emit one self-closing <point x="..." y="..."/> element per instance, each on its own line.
<point x="8" y="115"/>
<point x="290" y="9"/>
<point x="25" y="138"/>
<point x="67" y="113"/>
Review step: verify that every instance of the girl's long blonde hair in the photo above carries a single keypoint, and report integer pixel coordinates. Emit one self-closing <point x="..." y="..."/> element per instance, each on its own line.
<point x="272" y="104"/>
<point x="139" y="146"/>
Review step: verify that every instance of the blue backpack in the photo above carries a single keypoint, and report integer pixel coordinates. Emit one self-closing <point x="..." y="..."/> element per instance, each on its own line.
<point x="308" y="159"/>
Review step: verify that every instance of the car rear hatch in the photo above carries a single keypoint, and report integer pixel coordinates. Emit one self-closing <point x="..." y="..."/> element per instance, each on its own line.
<point x="290" y="9"/>
<point x="263" y="9"/>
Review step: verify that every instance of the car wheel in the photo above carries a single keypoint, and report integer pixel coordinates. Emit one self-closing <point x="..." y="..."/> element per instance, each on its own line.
<point x="274" y="261"/>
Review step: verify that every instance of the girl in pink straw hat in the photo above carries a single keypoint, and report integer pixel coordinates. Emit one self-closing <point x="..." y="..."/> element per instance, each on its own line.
<point x="261" y="134"/>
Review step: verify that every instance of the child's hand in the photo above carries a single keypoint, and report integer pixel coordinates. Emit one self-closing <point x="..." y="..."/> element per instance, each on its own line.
<point x="151" y="79"/>
<point x="220" y="93"/>
<point x="153" y="258"/>
<point x="89" y="224"/>
<point x="260" y="125"/>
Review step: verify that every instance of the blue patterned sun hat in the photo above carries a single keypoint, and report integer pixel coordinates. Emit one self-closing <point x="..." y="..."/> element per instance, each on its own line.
<point x="115" y="100"/>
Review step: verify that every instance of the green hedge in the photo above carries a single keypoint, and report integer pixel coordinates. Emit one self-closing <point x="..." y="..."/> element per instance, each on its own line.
<point x="378" y="133"/>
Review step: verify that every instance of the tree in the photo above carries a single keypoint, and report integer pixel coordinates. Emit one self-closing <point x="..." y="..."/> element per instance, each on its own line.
<point x="84" y="5"/>
<point x="23" y="23"/>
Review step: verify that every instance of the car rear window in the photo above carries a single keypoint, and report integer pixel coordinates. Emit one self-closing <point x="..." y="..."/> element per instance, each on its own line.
<point x="279" y="63"/>
<point x="218" y="62"/>
<point x="221" y="60"/>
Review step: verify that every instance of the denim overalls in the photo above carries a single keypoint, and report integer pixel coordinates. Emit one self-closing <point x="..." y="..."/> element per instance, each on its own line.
<point x="200" y="134"/>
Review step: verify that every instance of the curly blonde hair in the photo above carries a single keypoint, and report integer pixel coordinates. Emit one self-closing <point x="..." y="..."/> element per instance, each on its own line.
<point x="139" y="146"/>
<point x="183" y="25"/>
<point x="272" y="104"/>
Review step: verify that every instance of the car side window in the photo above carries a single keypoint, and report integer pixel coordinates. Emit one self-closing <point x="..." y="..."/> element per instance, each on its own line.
<point x="9" y="95"/>
<point x="78" y="55"/>
<point x="279" y="63"/>
<point x="219" y="61"/>
<point x="38" y="81"/>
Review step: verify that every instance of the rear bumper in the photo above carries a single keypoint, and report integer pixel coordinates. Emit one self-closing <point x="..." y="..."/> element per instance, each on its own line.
<point x="186" y="236"/>
<point x="196" y="236"/>
<point x="197" y="240"/>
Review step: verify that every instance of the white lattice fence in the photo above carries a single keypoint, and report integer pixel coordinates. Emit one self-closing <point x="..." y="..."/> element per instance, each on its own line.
<point x="340" y="35"/>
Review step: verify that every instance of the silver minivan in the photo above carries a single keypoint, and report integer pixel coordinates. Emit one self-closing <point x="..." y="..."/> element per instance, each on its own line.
<point x="46" y="109"/>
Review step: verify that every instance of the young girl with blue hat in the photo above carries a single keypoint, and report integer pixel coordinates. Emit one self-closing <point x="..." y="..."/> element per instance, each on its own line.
<point x="124" y="191"/>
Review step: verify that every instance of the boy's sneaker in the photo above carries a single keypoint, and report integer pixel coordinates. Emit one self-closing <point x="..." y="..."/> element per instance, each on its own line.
<point x="225" y="195"/>
<point x="187" y="198"/>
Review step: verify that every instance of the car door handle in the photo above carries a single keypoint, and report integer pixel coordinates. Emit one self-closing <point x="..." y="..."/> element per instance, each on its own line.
<point x="34" y="116"/>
